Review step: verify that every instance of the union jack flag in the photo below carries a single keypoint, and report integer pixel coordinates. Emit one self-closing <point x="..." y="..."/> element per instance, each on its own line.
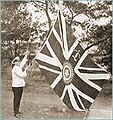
<point x="69" y="70"/>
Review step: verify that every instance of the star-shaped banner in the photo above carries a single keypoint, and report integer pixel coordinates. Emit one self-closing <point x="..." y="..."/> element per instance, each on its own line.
<point x="69" y="70"/>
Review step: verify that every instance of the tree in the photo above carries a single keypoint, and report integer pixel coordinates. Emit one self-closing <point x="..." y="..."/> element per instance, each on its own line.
<point x="92" y="33"/>
<point x="15" y="28"/>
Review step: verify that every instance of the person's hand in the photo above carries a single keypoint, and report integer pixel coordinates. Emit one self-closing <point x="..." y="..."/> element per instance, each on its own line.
<point x="27" y="52"/>
<point x="26" y="69"/>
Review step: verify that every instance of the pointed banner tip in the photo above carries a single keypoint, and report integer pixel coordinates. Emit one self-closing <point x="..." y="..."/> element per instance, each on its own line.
<point x="60" y="5"/>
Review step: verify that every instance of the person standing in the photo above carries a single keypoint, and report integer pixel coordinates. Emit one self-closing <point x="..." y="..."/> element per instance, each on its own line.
<point x="18" y="81"/>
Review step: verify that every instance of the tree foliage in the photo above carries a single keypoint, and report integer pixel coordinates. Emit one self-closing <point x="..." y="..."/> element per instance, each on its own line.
<point x="15" y="28"/>
<point x="95" y="34"/>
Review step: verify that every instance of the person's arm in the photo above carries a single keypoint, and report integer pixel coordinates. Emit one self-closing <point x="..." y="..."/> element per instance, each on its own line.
<point x="18" y="71"/>
<point x="24" y="60"/>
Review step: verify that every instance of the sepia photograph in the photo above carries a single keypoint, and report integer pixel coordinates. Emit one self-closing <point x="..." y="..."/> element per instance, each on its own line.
<point x="56" y="59"/>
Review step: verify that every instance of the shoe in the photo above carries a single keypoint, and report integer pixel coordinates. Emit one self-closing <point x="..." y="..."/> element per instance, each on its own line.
<point x="19" y="113"/>
<point x="16" y="115"/>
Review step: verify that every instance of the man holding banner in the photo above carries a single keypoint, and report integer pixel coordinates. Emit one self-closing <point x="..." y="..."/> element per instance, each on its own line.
<point x="18" y="81"/>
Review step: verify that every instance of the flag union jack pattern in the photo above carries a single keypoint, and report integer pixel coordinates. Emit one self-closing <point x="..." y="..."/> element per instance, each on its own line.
<point x="69" y="70"/>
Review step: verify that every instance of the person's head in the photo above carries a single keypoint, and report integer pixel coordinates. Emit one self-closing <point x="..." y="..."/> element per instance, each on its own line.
<point x="16" y="61"/>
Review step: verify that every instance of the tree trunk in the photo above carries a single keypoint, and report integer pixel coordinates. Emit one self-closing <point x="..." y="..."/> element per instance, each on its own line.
<point x="15" y="48"/>
<point x="11" y="55"/>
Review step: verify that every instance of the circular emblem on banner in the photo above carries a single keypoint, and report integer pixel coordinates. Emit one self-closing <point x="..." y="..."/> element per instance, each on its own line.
<point x="67" y="72"/>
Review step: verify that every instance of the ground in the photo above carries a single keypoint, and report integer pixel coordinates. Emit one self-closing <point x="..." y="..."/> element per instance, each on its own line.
<point x="40" y="101"/>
